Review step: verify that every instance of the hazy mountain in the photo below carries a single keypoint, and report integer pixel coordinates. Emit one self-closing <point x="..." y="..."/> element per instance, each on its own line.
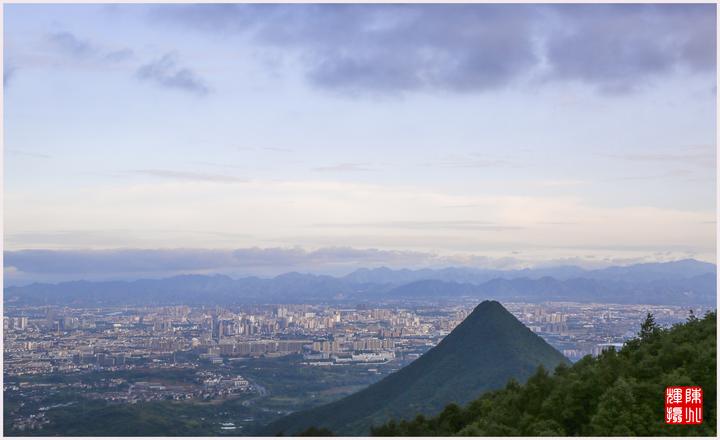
<point x="434" y="289"/>
<point x="636" y="273"/>
<point x="686" y="282"/>
<point x="673" y="270"/>
<point x="696" y="290"/>
<point x="384" y="275"/>
<point x="482" y="353"/>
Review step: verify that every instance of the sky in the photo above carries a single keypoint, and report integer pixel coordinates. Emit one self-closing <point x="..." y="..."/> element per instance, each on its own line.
<point x="148" y="140"/>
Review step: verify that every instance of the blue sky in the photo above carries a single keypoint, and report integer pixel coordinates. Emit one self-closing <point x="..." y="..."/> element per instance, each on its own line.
<point x="405" y="135"/>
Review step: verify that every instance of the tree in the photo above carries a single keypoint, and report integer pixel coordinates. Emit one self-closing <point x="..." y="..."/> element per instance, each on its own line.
<point x="649" y="327"/>
<point x="316" y="432"/>
<point x="615" y="415"/>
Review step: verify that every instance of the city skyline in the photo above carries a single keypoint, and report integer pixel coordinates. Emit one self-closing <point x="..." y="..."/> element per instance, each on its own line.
<point x="131" y="351"/>
<point x="325" y="138"/>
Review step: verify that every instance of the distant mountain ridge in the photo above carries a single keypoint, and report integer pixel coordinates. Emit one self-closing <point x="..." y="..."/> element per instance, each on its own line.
<point x="685" y="282"/>
<point x="482" y="353"/>
<point x="696" y="290"/>
<point x="637" y="272"/>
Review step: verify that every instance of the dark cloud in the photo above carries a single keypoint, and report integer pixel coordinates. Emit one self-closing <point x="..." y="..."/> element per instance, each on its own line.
<point x="165" y="72"/>
<point x="118" y="261"/>
<point x="619" y="47"/>
<point x="470" y="47"/>
<point x="388" y="48"/>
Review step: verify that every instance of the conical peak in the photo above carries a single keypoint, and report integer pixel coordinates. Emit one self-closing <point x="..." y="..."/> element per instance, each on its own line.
<point x="490" y="318"/>
<point x="489" y="306"/>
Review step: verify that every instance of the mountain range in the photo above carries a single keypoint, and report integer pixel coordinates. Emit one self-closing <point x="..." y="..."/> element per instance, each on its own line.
<point x="487" y="349"/>
<point x="685" y="282"/>
<point x="633" y="273"/>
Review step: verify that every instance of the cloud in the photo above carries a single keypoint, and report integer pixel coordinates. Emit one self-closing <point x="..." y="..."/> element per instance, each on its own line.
<point x="189" y="176"/>
<point x="702" y="156"/>
<point x="560" y="182"/>
<point x="24" y="266"/>
<point x="160" y="262"/>
<point x="64" y="49"/>
<point x="272" y="149"/>
<point x="431" y="225"/>
<point x="468" y="161"/>
<point x="687" y="175"/>
<point x="391" y="49"/>
<point x="70" y="44"/>
<point x="119" y="55"/>
<point x="28" y="154"/>
<point x="318" y="214"/>
<point x="619" y="47"/>
<point x="328" y="256"/>
<point x="114" y="238"/>
<point x="165" y="72"/>
<point x="698" y="164"/>
<point x="118" y="261"/>
<point x="345" y="167"/>
<point x="73" y="46"/>
<point x="218" y="165"/>
<point x="8" y="73"/>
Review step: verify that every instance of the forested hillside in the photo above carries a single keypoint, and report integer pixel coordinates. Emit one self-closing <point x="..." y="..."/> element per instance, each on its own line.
<point x="616" y="394"/>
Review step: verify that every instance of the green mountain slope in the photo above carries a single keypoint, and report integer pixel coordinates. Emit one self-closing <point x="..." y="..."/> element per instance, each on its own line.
<point x="617" y="394"/>
<point x="482" y="353"/>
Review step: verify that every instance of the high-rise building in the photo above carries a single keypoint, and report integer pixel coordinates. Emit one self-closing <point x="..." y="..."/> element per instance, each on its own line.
<point x="216" y="328"/>
<point x="50" y="317"/>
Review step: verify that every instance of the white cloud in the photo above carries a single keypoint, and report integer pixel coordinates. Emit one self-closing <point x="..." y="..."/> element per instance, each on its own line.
<point x="317" y="214"/>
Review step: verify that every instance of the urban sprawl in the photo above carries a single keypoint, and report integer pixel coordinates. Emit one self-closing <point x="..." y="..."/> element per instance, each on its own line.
<point x="72" y="341"/>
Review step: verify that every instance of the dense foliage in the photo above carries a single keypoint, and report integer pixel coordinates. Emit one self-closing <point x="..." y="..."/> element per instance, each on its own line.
<point x="616" y="394"/>
<point x="316" y="432"/>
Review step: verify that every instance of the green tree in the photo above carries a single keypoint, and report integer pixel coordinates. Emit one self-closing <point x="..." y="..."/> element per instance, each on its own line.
<point x="649" y="327"/>
<point x="316" y="432"/>
<point x="615" y="414"/>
